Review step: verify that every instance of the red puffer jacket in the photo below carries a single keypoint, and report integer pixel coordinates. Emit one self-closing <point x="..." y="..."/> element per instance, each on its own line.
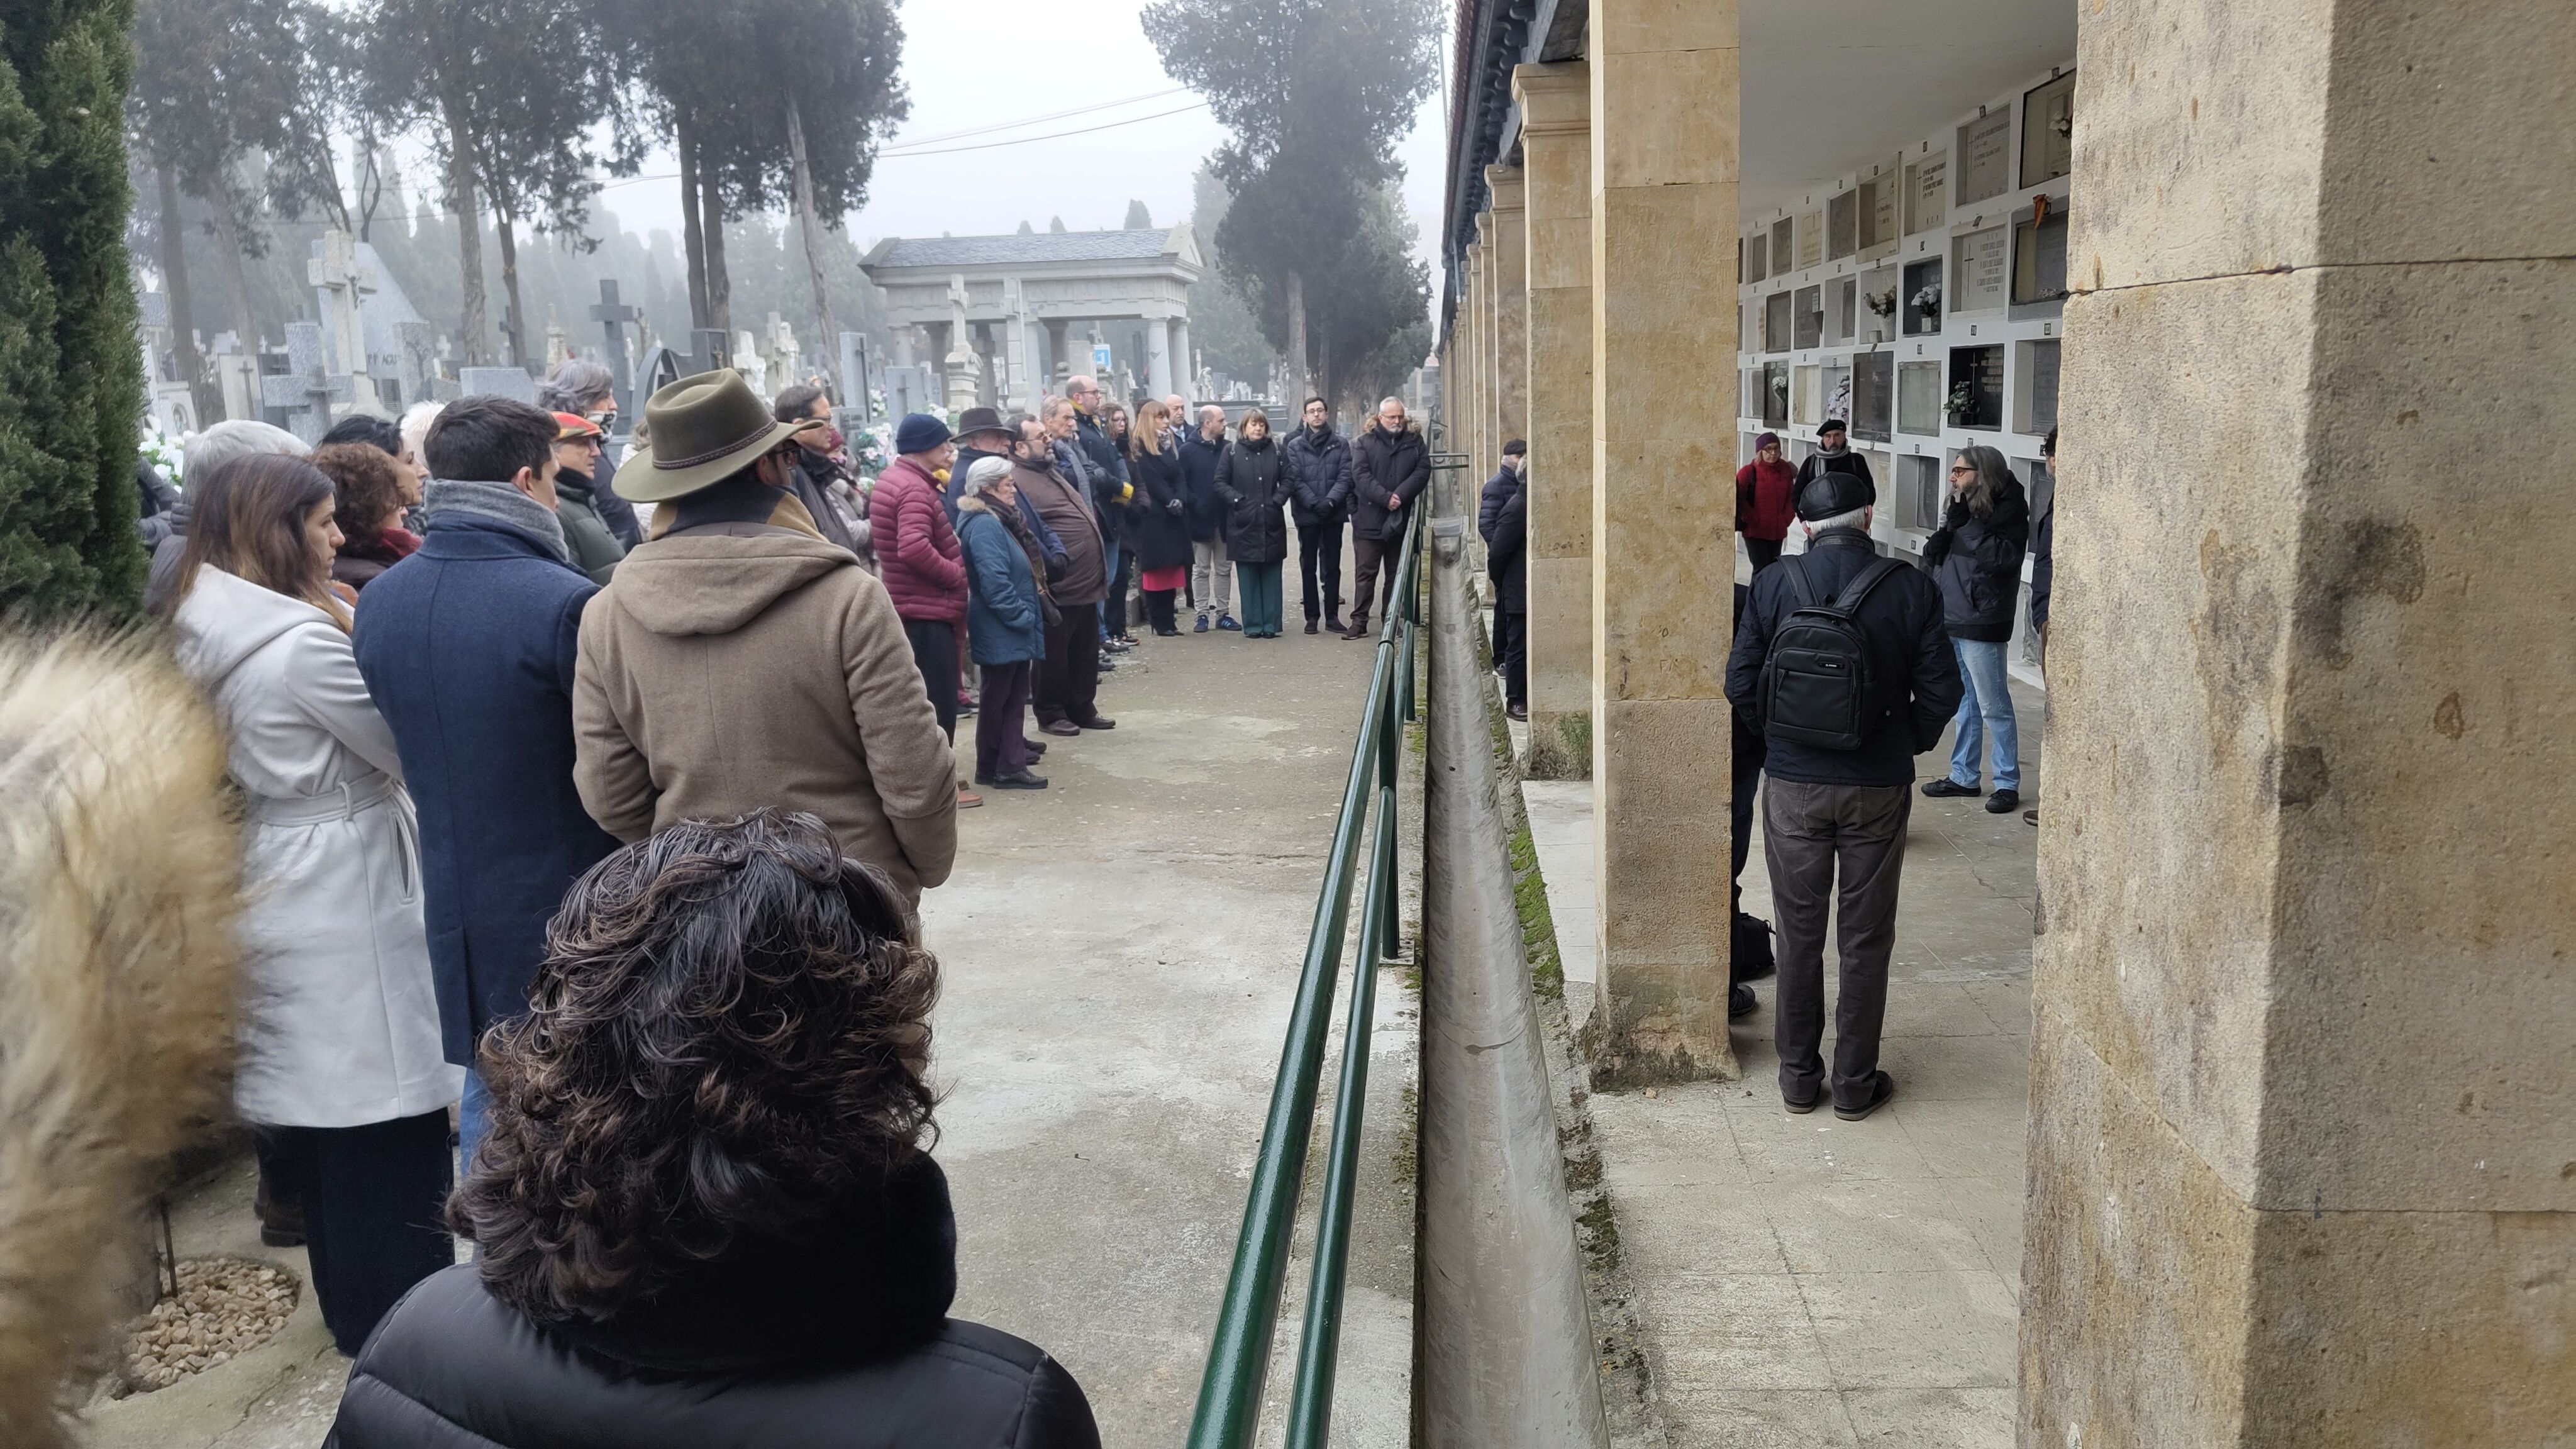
<point x="1762" y="499"/>
<point x="917" y="549"/>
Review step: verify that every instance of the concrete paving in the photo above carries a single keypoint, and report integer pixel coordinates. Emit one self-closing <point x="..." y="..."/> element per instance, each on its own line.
<point x="1805" y="1281"/>
<point x="1119" y="953"/>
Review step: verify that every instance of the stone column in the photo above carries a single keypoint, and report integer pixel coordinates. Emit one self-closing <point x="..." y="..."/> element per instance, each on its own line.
<point x="1511" y="306"/>
<point x="1158" y="356"/>
<point x="1556" y="393"/>
<point x="1471" y="439"/>
<point x="1491" y="359"/>
<point x="2303" y="986"/>
<point x="1185" y="369"/>
<point x="1664" y="129"/>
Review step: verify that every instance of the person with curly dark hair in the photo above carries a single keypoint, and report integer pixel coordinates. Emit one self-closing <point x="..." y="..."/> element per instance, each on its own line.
<point x="704" y="1210"/>
<point x="368" y="485"/>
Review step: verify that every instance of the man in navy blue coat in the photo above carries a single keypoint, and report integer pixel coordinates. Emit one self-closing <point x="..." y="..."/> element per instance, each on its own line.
<point x="467" y="647"/>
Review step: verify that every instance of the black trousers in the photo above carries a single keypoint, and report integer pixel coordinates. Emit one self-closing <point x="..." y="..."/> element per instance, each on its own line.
<point x="1368" y="555"/>
<point x="1811" y="834"/>
<point x="934" y="650"/>
<point x="1515" y="654"/>
<point x="1068" y="682"/>
<point x="372" y="1197"/>
<point x="1319" y="566"/>
<point x="1114" y="610"/>
<point x="1159" y="610"/>
<point x="1763" y="551"/>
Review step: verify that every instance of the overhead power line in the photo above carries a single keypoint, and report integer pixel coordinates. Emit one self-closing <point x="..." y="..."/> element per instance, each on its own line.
<point x="1031" y="120"/>
<point x="1050" y="136"/>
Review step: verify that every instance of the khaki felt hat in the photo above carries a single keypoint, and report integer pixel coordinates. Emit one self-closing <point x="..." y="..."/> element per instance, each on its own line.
<point x="704" y="429"/>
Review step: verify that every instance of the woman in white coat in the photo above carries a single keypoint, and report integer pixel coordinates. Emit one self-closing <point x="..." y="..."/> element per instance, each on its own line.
<point x="339" y="1037"/>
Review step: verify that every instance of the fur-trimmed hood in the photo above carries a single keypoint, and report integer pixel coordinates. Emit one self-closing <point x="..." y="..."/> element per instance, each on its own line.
<point x="119" y="889"/>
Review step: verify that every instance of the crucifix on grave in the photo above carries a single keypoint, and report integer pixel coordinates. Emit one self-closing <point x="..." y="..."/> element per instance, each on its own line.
<point x="960" y="362"/>
<point x="305" y="393"/>
<point x="613" y="316"/>
<point x="345" y="285"/>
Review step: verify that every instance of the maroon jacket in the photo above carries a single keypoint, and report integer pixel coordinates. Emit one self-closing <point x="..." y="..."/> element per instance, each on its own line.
<point x="1763" y="499"/>
<point x="917" y="549"/>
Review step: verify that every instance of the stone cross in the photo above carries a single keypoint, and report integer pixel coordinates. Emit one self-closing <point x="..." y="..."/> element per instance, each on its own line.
<point x="304" y="392"/>
<point x="960" y="361"/>
<point x="613" y="316"/>
<point x="558" y="346"/>
<point x="854" y="375"/>
<point x="345" y="285"/>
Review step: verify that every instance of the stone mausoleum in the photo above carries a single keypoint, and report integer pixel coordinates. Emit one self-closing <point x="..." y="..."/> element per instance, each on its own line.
<point x="2289" y="278"/>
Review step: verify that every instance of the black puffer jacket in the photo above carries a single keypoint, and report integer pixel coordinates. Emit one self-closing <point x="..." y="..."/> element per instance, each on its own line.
<point x="1319" y="475"/>
<point x="1977" y="562"/>
<point x="1386" y="466"/>
<point x="1507" y="551"/>
<point x="1253" y="481"/>
<point x="1206" y="511"/>
<point x="842" y="1342"/>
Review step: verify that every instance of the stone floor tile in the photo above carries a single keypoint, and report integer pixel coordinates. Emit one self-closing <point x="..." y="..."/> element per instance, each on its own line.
<point x="1678" y="1137"/>
<point x="1979" y="1138"/>
<point x="1863" y="1226"/>
<point x="1935" y="1008"/>
<point x="1722" y="1417"/>
<point x="1944" y="1329"/>
<point x="2006" y="999"/>
<point x="1958" y="1068"/>
<point x="1931" y="1418"/>
<point x="1777" y="1145"/>
<point x="1694" y="1228"/>
<point x="1730" y="1331"/>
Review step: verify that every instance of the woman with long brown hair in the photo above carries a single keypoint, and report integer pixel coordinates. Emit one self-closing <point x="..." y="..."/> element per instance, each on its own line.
<point x="1162" y="527"/>
<point x="340" y="1050"/>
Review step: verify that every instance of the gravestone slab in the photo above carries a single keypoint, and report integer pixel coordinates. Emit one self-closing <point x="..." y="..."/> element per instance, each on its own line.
<point x="303" y="395"/>
<point x="1811" y="239"/>
<point x="1757" y="257"/>
<point x="1985" y="157"/>
<point x="1927" y="186"/>
<point x="1842" y="225"/>
<point x="1783" y="244"/>
<point x="415" y="359"/>
<point x="614" y="317"/>
<point x="2048" y="130"/>
<point x="1982" y="269"/>
<point x="509" y="382"/>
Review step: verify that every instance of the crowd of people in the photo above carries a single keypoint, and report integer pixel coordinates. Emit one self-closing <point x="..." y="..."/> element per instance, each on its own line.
<point x="550" y="758"/>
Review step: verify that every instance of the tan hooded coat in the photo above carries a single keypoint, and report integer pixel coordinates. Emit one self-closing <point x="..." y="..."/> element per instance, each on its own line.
<point x="725" y="671"/>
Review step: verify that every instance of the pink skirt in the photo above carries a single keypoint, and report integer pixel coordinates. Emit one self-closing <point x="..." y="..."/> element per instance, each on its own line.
<point x="1164" y="581"/>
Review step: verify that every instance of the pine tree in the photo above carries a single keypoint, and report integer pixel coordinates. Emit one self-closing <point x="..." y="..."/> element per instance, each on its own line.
<point x="1138" y="218"/>
<point x="71" y="383"/>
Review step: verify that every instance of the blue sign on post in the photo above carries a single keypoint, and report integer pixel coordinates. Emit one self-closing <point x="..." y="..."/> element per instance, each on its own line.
<point x="1100" y="359"/>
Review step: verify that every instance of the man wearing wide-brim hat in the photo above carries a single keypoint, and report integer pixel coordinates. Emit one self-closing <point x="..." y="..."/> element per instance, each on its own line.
<point x="738" y="660"/>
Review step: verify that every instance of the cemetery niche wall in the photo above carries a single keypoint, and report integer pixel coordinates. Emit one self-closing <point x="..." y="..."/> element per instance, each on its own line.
<point x="1917" y="296"/>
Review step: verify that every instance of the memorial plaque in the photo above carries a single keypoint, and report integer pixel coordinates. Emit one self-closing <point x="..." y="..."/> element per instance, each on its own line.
<point x="2039" y="258"/>
<point x="1775" y="322"/>
<point x="2048" y="130"/>
<point x="2041" y="359"/>
<point x="1927" y="185"/>
<point x="1783" y="246"/>
<point x="1919" y="297"/>
<point x="1806" y="394"/>
<point x="1757" y="255"/>
<point x="1811" y="239"/>
<point x="1752" y="406"/>
<point x="1846" y="309"/>
<point x="1873" y="394"/>
<point x="1918" y="493"/>
<point x="1979" y="371"/>
<point x="1808" y="316"/>
<point x="1985" y="157"/>
<point x="1879" y="200"/>
<point x="1775" y="394"/>
<point x="1918" y="398"/>
<point x="1980" y="272"/>
<point x="1842" y="225"/>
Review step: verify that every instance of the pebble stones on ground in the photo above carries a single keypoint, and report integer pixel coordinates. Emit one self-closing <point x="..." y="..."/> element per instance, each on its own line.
<point x="225" y="1308"/>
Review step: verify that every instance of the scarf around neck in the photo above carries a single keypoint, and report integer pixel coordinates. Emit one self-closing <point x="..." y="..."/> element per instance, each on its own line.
<point x="499" y="502"/>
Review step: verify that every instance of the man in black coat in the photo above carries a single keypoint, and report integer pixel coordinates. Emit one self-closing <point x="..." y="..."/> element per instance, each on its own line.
<point x="1833" y="455"/>
<point x="1211" y="572"/>
<point x="1499" y="487"/>
<point x="1390" y="466"/>
<point x="1829" y="812"/>
<point x="1507" y="564"/>
<point x="1319" y="498"/>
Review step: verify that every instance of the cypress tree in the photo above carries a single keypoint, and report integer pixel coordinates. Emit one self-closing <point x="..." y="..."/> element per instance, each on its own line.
<point x="71" y="379"/>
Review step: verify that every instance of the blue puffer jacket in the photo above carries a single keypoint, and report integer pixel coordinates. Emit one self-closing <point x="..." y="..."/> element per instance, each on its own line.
<point x="1003" y="622"/>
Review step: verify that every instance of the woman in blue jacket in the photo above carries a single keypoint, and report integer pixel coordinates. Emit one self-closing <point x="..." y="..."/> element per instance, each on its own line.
<point x="1005" y="620"/>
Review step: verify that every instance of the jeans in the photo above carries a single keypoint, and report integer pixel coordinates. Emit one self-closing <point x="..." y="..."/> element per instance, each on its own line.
<point x="1319" y="565"/>
<point x="1810" y="835"/>
<point x="473" y="1114"/>
<point x="1261" y="599"/>
<point x="1985" y="706"/>
<point x="1212" y="575"/>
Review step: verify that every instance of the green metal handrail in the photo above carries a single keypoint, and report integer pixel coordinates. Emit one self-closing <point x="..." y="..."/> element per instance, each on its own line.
<point x="1229" y="1407"/>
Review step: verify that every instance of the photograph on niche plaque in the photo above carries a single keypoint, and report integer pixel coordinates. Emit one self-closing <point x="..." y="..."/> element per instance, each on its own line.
<point x="1873" y="389"/>
<point x="1985" y="157"/>
<point x="1783" y="246"/>
<point x="1979" y="271"/>
<point x="1926" y="183"/>
<point x="1757" y="253"/>
<point x="1808" y="312"/>
<point x="1775" y="322"/>
<point x="1775" y="394"/>
<point x="1842" y="225"/>
<point x="2048" y="130"/>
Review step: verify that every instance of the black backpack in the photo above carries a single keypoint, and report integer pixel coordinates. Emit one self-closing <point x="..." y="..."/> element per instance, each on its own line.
<point x="1816" y="685"/>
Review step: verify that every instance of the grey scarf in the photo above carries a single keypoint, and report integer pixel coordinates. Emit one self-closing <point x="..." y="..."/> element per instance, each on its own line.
<point x="497" y="501"/>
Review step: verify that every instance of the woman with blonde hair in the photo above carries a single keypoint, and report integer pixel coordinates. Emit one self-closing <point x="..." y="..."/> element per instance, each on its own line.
<point x="1253" y="481"/>
<point x="1162" y="524"/>
<point x="340" y="1051"/>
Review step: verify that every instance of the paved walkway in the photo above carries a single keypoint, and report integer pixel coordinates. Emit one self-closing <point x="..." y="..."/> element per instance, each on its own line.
<point x="1118" y="953"/>
<point x="1809" y="1282"/>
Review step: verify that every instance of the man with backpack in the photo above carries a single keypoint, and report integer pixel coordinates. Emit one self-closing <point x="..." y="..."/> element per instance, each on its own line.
<point x="1844" y="665"/>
